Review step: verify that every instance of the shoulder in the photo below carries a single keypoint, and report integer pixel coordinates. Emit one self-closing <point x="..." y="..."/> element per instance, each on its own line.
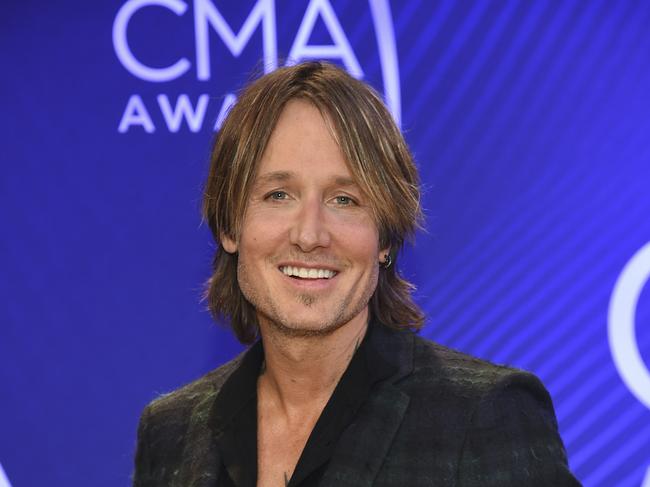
<point x="499" y="419"/>
<point x="489" y="424"/>
<point x="468" y="377"/>
<point x="458" y="389"/>
<point x="169" y="420"/>
<point x="175" y="408"/>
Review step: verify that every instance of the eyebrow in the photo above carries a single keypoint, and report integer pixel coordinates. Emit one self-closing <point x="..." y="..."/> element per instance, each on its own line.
<point x="275" y="176"/>
<point x="344" y="181"/>
<point x="282" y="176"/>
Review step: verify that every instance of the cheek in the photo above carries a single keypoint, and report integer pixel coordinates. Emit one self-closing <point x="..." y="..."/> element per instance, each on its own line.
<point x="361" y="241"/>
<point x="259" y="233"/>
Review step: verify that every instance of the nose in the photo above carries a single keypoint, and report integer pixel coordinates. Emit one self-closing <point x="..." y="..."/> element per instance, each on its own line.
<point x="309" y="230"/>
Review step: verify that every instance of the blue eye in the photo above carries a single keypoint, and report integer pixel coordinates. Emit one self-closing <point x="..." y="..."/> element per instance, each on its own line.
<point x="344" y="200"/>
<point x="277" y="195"/>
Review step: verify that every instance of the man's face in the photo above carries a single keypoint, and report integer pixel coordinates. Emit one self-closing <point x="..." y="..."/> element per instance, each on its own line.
<point x="308" y="247"/>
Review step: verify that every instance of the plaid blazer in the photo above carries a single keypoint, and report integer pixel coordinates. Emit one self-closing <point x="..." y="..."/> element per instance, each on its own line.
<point x="443" y="419"/>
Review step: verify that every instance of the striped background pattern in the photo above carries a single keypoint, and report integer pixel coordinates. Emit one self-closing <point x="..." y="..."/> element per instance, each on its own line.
<point x="531" y="125"/>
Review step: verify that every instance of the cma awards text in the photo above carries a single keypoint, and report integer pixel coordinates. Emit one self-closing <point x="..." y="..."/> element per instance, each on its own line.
<point x="193" y="113"/>
<point x="136" y="113"/>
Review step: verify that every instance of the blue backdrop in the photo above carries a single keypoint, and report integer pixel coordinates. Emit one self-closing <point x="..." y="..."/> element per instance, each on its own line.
<point x="530" y="123"/>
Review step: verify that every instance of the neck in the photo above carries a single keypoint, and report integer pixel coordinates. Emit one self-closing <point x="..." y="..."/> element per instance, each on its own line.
<point x="302" y="372"/>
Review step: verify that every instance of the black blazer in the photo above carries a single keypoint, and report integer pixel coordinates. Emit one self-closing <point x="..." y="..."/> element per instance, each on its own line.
<point x="443" y="419"/>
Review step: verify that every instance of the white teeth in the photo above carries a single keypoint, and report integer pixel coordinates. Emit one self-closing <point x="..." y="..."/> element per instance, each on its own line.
<point x="305" y="273"/>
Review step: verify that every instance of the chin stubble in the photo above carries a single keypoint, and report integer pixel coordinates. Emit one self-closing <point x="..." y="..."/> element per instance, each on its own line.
<point x="307" y="299"/>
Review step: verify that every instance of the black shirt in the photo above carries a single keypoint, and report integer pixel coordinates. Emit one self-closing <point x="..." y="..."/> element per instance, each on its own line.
<point x="238" y="401"/>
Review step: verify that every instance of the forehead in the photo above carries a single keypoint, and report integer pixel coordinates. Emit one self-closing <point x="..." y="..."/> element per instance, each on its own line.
<point x="302" y="144"/>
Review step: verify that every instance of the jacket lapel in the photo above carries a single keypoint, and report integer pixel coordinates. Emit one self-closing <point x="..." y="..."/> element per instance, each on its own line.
<point x="213" y="415"/>
<point x="201" y="455"/>
<point x="364" y="445"/>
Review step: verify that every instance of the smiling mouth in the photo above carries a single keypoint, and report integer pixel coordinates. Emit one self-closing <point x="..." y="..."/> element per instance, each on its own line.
<point x="305" y="273"/>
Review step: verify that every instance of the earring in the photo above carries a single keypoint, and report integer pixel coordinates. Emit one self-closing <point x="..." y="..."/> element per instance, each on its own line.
<point x="387" y="261"/>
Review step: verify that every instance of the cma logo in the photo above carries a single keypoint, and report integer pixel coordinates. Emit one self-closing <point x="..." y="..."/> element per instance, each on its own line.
<point x="622" y="338"/>
<point x="262" y="16"/>
<point x="4" y="481"/>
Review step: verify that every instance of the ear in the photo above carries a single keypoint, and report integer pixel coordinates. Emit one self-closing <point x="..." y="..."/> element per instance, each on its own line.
<point x="228" y="243"/>
<point x="382" y="255"/>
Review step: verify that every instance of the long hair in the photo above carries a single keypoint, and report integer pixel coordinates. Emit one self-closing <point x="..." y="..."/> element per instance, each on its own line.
<point x="377" y="156"/>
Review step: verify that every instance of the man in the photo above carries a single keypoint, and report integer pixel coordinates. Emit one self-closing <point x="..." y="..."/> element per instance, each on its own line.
<point x="310" y="196"/>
